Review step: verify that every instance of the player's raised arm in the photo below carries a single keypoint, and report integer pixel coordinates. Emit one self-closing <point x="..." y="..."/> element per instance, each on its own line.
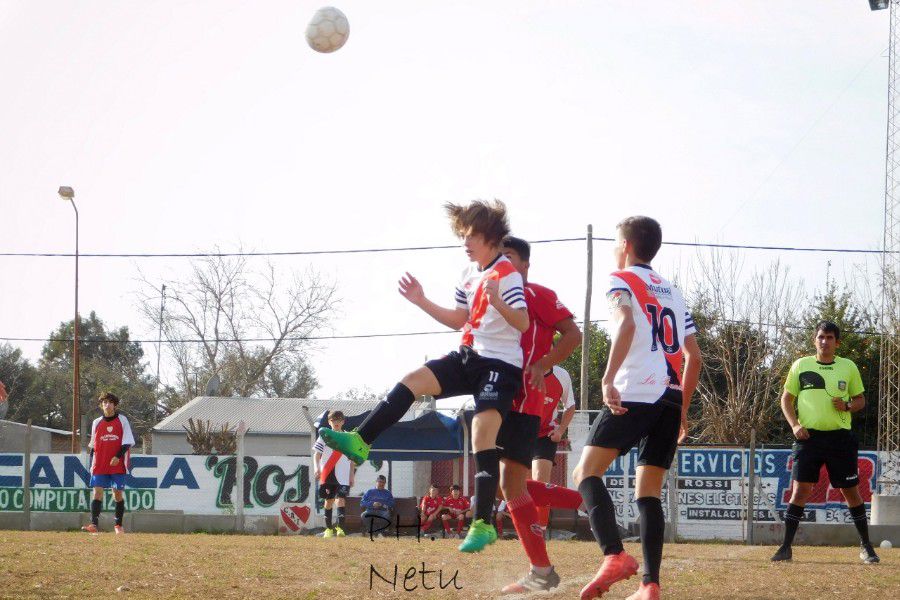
<point x="454" y="318"/>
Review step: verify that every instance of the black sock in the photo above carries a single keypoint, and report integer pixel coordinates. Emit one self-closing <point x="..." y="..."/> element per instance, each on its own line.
<point x="792" y="517"/>
<point x="653" y="527"/>
<point x="120" y="511"/>
<point x="340" y="519"/>
<point x="328" y="518"/>
<point x="601" y="514"/>
<point x="389" y="411"/>
<point x="96" y="507"/>
<point x="858" y="514"/>
<point x="487" y="477"/>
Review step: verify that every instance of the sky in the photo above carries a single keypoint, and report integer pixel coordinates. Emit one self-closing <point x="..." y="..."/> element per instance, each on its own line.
<point x="193" y="125"/>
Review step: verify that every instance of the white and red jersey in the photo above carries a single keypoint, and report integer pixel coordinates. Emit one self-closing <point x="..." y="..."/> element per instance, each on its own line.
<point x="332" y="462"/>
<point x="431" y="505"/>
<point x="108" y="435"/>
<point x="486" y="331"/>
<point x="461" y="503"/>
<point x="662" y="321"/>
<point x="544" y="312"/>
<point x="559" y="395"/>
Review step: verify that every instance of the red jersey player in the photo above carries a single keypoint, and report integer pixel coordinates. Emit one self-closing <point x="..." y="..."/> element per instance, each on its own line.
<point x="111" y="439"/>
<point x="430" y="507"/>
<point x="558" y="394"/>
<point x="519" y="432"/>
<point x="456" y="506"/>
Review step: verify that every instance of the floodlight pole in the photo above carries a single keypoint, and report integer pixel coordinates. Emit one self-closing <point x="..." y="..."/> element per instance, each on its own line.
<point x="67" y="193"/>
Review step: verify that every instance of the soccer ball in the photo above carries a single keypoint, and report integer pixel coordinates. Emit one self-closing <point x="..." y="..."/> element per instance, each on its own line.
<point x="328" y="30"/>
<point x="886" y="544"/>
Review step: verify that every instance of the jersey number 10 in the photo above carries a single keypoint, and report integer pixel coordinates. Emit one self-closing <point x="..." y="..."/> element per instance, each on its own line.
<point x="659" y="319"/>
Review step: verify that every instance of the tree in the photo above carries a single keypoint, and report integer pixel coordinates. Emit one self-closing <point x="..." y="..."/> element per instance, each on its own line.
<point x="598" y="355"/>
<point x="744" y="333"/>
<point x="251" y="328"/>
<point x="110" y="361"/>
<point x="18" y="376"/>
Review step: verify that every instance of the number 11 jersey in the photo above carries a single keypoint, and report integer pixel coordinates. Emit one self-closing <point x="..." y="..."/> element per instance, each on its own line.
<point x="654" y="361"/>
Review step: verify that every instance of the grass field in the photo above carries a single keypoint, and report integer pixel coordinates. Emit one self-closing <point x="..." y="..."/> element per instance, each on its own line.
<point x="75" y="565"/>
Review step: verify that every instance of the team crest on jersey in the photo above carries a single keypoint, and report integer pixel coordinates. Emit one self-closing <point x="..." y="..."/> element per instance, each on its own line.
<point x="842" y="385"/>
<point x="109" y="428"/>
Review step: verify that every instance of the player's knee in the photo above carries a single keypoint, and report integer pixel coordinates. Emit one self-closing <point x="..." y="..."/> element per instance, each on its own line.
<point x="800" y="493"/>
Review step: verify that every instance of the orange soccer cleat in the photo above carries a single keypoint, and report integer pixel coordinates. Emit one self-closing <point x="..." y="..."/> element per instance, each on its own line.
<point x="90" y="528"/>
<point x="647" y="591"/>
<point x="615" y="568"/>
<point x="119" y="530"/>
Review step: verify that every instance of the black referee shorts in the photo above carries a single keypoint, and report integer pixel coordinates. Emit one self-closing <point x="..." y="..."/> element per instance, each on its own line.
<point x="652" y="427"/>
<point x="837" y="450"/>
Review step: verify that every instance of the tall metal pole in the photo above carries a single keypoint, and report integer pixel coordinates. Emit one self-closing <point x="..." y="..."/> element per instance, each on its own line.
<point x="162" y="306"/>
<point x="586" y="334"/>
<point x="76" y="378"/>
<point x="889" y="379"/>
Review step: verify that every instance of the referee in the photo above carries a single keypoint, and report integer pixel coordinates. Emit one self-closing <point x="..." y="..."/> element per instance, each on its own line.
<point x="826" y="388"/>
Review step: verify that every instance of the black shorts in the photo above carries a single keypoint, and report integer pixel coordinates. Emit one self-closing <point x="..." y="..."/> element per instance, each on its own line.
<point x="837" y="450"/>
<point x="545" y="448"/>
<point x="330" y="491"/>
<point x="517" y="435"/>
<point x="652" y="427"/>
<point x="493" y="382"/>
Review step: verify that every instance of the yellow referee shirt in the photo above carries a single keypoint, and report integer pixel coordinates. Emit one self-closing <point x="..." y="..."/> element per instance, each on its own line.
<point x="814" y="384"/>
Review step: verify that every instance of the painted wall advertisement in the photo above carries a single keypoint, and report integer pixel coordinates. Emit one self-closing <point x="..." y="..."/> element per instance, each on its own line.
<point x="194" y="484"/>
<point x="712" y="489"/>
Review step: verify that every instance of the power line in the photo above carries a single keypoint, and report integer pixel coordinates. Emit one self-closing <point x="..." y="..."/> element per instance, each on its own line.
<point x="360" y="335"/>
<point x="409" y="249"/>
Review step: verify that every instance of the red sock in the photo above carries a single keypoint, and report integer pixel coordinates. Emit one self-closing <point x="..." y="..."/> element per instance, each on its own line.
<point x="553" y="496"/>
<point x="459" y="525"/>
<point x="499" y="523"/>
<point x="543" y="515"/>
<point x="447" y="526"/>
<point x="525" y="519"/>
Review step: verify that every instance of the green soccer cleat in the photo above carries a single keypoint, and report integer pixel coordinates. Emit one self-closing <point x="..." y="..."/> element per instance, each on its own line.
<point x="480" y="534"/>
<point x="348" y="443"/>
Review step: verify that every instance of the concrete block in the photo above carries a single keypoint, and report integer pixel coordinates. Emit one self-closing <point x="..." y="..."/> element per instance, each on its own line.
<point x="209" y="523"/>
<point x="12" y="520"/>
<point x="261" y="524"/>
<point x="885" y="510"/>
<point x="154" y="521"/>
<point x="57" y="521"/>
<point x="823" y="534"/>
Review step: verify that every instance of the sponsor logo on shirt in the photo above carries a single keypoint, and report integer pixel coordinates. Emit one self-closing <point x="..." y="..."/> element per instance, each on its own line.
<point x="842" y="385"/>
<point x="655" y="279"/>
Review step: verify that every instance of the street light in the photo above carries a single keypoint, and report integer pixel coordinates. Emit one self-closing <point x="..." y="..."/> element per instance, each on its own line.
<point x="68" y="194"/>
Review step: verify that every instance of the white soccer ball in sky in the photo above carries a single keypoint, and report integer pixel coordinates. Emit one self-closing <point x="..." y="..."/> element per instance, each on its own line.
<point x="328" y="30"/>
<point x="886" y="544"/>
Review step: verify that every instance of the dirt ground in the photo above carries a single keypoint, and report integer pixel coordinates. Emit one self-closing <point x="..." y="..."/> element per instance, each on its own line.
<point x="76" y="565"/>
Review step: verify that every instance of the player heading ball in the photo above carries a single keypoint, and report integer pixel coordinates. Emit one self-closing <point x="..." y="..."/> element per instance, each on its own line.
<point x="489" y="307"/>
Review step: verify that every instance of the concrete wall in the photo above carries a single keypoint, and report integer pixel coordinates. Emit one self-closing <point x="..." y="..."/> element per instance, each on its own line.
<point x="254" y="444"/>
<point x="824" y="534"/>
<point x="12" y="438"/>
<point x="143" y="522"/>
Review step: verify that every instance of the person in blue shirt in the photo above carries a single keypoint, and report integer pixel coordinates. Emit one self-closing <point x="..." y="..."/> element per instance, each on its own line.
<point x="377" y="503"/>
